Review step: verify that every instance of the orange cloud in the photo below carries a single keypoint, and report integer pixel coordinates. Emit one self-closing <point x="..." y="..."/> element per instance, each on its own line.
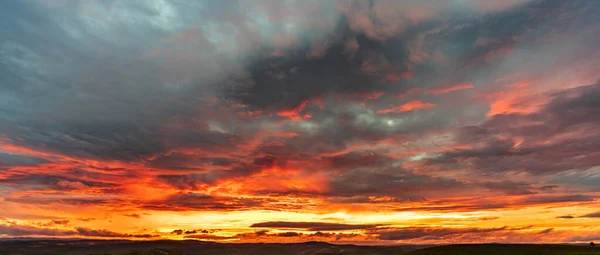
<point x="515" y="97"/>
<point x="294" y="114"/>
<point x="458" y="87"/>
<point x="410" y="106"/>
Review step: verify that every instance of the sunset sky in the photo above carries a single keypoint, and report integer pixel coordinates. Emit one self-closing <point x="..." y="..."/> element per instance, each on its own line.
<point x="365" y="122"/>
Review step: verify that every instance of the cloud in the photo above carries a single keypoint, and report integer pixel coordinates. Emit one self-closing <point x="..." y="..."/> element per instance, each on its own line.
<point x="191" y="181"/>
<point x="433" y="232"/>
<point x="591" y="215"/>
<point x="15" y="230"/>
<point x="583" y="238"/>
<point x="52" y="182"/>
<point x="107" y="233"/>
<point x="375" y="107"/>
<point x="383" y="19"/>
<point x="557" y="199"/>
<point x="210" y="237"/>
<point x="565" y="217"/>
<point x="392" y="182"/>
<point x="10" y="160"/>
<point x="451" y="89"/>
<point x="310" y="226"/>
<point x="410" y="106"/>
<point x="302" y="79"/>
<point x="132" y="215"/>
<point x="64" y="199"/>
<point x="181" y="161"/>
<point x="510" y="188"/>
<point x="262" y="236"/>
<point x="60" y="222"/>
<point x="189" y="232"/>
<point x="357" y="160"/>
<point x="569" y="114"/>
<point x="21" y="230"/>
<point x="197" y="201"/>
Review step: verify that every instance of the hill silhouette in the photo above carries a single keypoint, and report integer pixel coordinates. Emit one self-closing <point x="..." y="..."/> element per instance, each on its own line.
<point x="167" y="247"/>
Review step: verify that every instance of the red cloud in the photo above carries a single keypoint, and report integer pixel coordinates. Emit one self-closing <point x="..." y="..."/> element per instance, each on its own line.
<point x="294" y="114"/>
<point x="462" y="86"/>
<point x="410" y="106"/>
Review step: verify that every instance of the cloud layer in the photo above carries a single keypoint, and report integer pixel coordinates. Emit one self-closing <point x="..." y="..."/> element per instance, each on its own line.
<point x="344" y="121"/>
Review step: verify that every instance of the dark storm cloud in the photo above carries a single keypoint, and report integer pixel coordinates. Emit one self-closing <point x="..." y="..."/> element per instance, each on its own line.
<point x="311" y="226"/>
<point x="284" y="83"/>
<point x="380" y="53"/>
<point x="573" y="111"/>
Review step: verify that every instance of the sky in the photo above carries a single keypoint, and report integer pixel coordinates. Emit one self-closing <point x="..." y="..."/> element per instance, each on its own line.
<point x="350" y="121"/>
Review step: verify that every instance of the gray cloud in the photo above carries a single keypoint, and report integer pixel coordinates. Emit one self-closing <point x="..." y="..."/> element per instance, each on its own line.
<point x="10" y="160"/>
<point x="107" y="233"/>
<point x="191" y="181"/>
<point x="20" y="230"/>
<point x="557" y="199"/>
<point x="195" y="92"/>
<point x="122" y="78"/>
<point x="571" y="111"/>
<point x="52" y="182"/>
<point x="196" y="201"/>
<point x="393" y="182"/>
<point x="565" y="217"/>
<point x="13" y="230"/>
<point x="591" y="215"/>
<point x="510" y="188"/>
<point x="433" y="232"/>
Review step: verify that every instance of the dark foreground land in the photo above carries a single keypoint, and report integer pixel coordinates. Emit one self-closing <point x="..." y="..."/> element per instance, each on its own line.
<point x="92" y="247"/>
